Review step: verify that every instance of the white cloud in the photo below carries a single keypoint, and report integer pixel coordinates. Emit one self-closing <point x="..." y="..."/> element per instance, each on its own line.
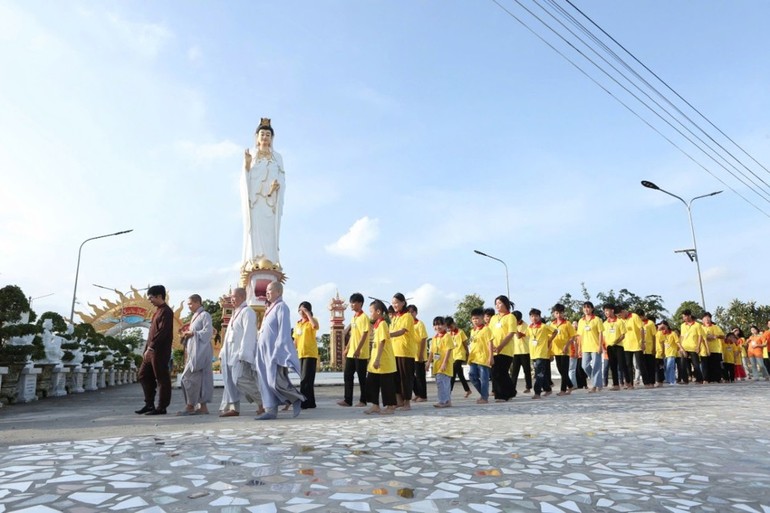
<point x="429" y="297"/>
<point x="355" y="243"/>
<point x="146" y="39"/>
<point x="194" y="54"/>
<point x="209" y="151"/>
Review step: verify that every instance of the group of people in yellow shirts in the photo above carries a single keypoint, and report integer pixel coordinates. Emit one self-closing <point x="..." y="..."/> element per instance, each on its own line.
<point x="390" y="352"/>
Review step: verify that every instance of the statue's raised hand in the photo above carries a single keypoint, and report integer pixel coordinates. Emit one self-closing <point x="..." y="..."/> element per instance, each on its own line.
<point x="247" y="159"/>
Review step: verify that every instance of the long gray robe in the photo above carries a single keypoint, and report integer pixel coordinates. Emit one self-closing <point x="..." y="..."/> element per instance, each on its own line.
<point x="238" y="355"/>
<point x="197" y="376"/>
<point x="276" y="355"/>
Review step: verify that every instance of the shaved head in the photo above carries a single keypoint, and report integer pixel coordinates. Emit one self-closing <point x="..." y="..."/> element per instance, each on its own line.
<point x="276" y="288"/>
<point x="240" y="295"/>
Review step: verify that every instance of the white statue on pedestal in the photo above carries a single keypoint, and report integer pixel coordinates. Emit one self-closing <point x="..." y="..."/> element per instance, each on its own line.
<point x="51" y="343"/>
<point x="262" y="192"/>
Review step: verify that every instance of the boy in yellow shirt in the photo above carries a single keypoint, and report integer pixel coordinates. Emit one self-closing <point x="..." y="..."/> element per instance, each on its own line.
<point x="614" y="333"/>
<point x="728" y="356"/>
<point x="521" y="358"/>
<point x="480" y="355"/>
<point x="693" y="341"/>
<point x="356" y="352"/>
<point x="460" y="355"/>
<point x="441" y="349"/>
<point x="565" y="337"/>
<point x="381" y="373"/>
<point x="307" y="351"/>
<point x="541" y="337"/>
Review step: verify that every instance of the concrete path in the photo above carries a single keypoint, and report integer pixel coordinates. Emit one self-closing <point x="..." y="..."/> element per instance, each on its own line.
<point x="675" y="449"/>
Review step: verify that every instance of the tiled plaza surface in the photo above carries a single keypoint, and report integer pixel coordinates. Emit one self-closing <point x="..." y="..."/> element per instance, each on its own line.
<point x="675" y="449"/>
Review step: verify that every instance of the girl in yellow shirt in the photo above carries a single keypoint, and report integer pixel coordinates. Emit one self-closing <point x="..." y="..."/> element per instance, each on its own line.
<point x="441" y="355"/>
<point x="307" y="351"/>
<point x="404" y="348"/>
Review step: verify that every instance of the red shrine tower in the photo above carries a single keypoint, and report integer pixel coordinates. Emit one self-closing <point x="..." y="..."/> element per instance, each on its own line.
<point x="337" y="332"/>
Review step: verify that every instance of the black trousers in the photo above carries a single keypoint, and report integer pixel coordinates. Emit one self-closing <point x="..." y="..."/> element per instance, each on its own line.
<point x="616" y="358"/>
<point x="695" y="359"/>
<point x="660" y="370"/>
<point x="458" y="372"/>
<point x="521" y="361"/>
<point x="355" y="367"/>
<point x="420" y="381"/>
<point x="307" y="368"/>
<point x="385" y="383"/>
<point x="714" y="368"/>
<point x="632" y="357"/>
<point x="728" y="373"/>
<point x="582" y="377"/>
<point x="501" y="380"/>
<point x="154" y="376"/>
<point x="405" y="377"/>
<point x="562" y="363"/>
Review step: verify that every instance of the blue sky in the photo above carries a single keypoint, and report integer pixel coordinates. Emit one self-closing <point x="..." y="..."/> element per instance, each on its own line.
<point x="411" y="132"/>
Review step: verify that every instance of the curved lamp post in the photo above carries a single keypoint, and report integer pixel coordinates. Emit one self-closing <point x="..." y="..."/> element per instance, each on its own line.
<point x="77" y="269"/>
<point x="507" y="284"/>
<point x="691" y="253"/>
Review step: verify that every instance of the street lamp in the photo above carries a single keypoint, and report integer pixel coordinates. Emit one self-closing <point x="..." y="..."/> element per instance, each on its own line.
<point x="507" y="284"/>
<point x="77" y="269"/>
<point x="691" y="253"/>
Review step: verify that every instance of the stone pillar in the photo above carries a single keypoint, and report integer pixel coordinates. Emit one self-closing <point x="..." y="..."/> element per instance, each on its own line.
<point x="75" y="380"/>
<point x="101" y="377"/>
<point x="3" y="371"/>
<point x="120" y="379"/>
<point x="28" y="384"/>
<point x="89" y="383"/>
<point x="132" y="374"/>
<point x="59" y="381"/>
<point x="111" y="375"/>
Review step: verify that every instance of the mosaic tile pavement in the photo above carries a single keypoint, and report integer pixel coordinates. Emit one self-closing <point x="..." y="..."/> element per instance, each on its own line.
<point x="675" y="449"/>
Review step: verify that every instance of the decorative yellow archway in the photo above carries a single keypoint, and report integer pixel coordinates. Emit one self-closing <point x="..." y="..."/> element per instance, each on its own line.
<point x="131" y="310"/>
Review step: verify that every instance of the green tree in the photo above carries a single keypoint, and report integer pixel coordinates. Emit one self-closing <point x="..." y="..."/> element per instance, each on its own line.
<point x="59" y="324"/>
<point x="215" y="310"/>
<point x="742" y="314"/>
<point x="13" y="303"/>
<point x="652" y="304"/>
<point x="462" y="315"/>
<point x="324" y="350"/>
<point x="693" y="306"/>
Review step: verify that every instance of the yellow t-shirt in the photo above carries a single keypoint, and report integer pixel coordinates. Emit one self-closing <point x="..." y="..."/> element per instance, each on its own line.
<point x="690" y="335"/>
<point x="715" y="345"/>
<point x="660" y="350"/>
<point x="358" y="327"/>
<point x="420" y="334"/>
<point x="539" y="336"/>
<point x="501" y="326"/>
<point x="633" y="338"/>
<point x="404" y="346"/>
<point x="728" y="354"/>
<point x="589" y="331"/>
<point x="670" y="344"/>
<point x="521" y="344"/>
<point x="767" y="342"/>
<point x="479" y="347"/>
<point x="387" y="359"/>
<point x="460" y="350"/>
<point x="443" y="345"/>
<point x="304" y="339"/>
<point x="565" y="333"/>
<point x="613" y="330"/>
<point x="650" y="330"/>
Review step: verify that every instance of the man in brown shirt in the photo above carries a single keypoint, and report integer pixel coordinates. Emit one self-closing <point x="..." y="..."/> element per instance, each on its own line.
<point x="154" y="372"/>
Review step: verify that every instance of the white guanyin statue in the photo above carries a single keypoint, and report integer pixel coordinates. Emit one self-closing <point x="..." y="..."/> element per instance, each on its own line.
<point x="51" y="343"/>
<point x="262" y="194"/>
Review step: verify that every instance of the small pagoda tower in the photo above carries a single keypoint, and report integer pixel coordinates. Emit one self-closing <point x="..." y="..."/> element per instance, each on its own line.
<point x="337" y="308"/>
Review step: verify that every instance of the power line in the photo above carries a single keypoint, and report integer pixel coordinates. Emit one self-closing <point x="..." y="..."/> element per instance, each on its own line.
<point x="607" y="49"/>
<point x="668" y="86"/>
<point x="581" y="70"/>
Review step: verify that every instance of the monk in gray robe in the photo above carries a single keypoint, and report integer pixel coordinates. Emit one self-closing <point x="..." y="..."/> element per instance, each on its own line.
<point x="276" y="356"/>
<point x="238" y="355"/>
<point x="197" y="378"/>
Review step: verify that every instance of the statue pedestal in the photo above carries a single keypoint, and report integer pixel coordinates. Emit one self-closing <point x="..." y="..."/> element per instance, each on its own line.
<point x="121" y="379"/>
<point x="3" y="371"/>
<point x="132" y="374"/>
<point x="59" y="381"/>
<point x="101" y="377"/>
<point x="28" y="384"/>
<point x="89" y="383"/>
<point x="111" y="377"/>
<point x="75" y="380"/>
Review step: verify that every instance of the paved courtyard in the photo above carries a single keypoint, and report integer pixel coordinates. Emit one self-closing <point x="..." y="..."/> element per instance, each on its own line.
<point x="676" y="449"/>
